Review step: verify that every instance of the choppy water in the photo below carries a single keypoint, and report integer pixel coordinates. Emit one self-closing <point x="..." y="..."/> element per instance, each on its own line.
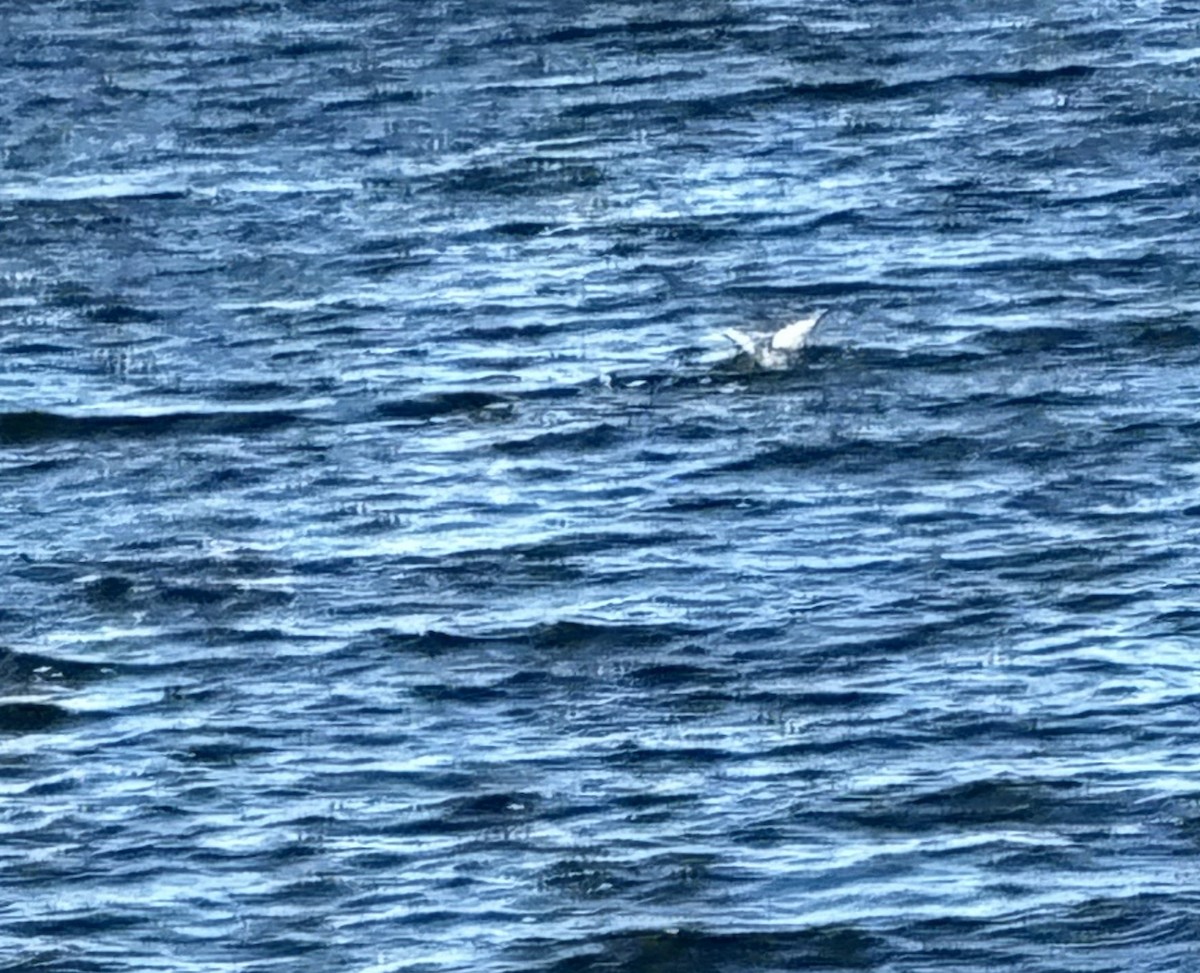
<point x="398" y="576"/>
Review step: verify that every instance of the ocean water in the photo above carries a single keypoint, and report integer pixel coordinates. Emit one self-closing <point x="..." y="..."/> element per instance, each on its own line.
<point x="400" y="574"/>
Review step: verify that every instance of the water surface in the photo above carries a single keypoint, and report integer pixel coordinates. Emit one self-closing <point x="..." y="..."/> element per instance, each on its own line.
<point x="398" y="575"/>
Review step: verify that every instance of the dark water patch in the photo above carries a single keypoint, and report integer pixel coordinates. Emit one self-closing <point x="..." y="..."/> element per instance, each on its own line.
<point x="298" y="850"/>
<point x="26" y="667"/>
<point x="120" y="314"/>
<point x="879" y="735"/>
<point x="468" y="695"/>
<point x="695" y="108"/>
<point x="649" y="383"/>
<point x="698" y="431"/>
<point x="534" y="681"/>
<point x="645" y="801"/>
<point x="587" y="878"/>
<point x="380" y="98"/>
<point x="442" y="404"/>
<point x="859" y="455"/>
<point x="830" y="947"/>
<point x="387" y="266"/>
<point x="994" y="801"/>
<point x="953" y="939"/>
<point x="599" y="437"/>
<point x="1030" y="77"/>
<point x="1143" y="431"/>
<point x="522" y="229"/>
<point x="654" y="78"/>
<point x="829" y="289"/>
<point x="852" y="652"/>
<point x="1180" y="620"/>
<point x="1055" y="268"/>
<point x="480" y="571"/>
<point x="492" y="805"/>
<point x="177" y="694"/>
<point x="226" y="11"/>
<point x="885" y="359"/>
<point x="532" y="176"/>
<point x="89" y="923"/>
<point x="642" y="28"/>
<point x="666" y="759"/>
<point x="221" y="753"/>
<point x="312" y="47"/>
<point x="1170" y="337"/>
<point x="389" y="245"/>
<point x="387" y="186"/>
<point x="218" y="599"/>
<point x="839" y="218"/>
<point x="45" y="572"/>
<point x="706" y="504"/>
<point x="549" y="393"/>
<point x="251" y="391"/>
<point x="1074" y="561"/>
<point x="706" y="230"/>
<point x="243" y="564"/>
<point x="226" y="478"/>
<point x="255" y="105"/>
<point x="36" y="427"/>
<point x="436" y="782"/>
<point x="1114" y="197"/>
<point x="654" y="110"/>
<point x="378" y="861"/>
<point x="568" y="547"/>
<point x="595" y="636"/>
<point x="1162" y="711"/>
<point x="28" y="717"/>
<point x="52" y="788"/>
<point x="279" y="947"/>
<point x="1104" y="602"/>
<point x="1143" y="919"/>
<point x="1041" y="339"/>
<point x="35" y="348"/>
<point x="856" y="90"/>
<point x="845" y="701"/>
<point x="675" y="675"/>
<point x="323" y="566"/>
<point x="435" y="643"/>
<point x="1079" y="495"/>
<point x="507" y="332"/>
<point x="1051" y="399"/>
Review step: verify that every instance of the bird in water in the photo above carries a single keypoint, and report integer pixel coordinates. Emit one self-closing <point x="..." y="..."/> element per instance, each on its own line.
<point x="777" y="350"/>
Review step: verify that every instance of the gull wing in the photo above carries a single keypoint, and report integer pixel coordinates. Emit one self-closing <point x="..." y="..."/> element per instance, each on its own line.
<point x="793" y="336"/>
<point x="742" y="340"/>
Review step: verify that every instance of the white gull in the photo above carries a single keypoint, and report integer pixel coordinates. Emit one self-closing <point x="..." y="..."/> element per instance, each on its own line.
<point x="777" y="349"/>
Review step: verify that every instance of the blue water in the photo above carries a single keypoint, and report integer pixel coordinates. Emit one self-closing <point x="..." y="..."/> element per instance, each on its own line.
<point x="399" y="573"/>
